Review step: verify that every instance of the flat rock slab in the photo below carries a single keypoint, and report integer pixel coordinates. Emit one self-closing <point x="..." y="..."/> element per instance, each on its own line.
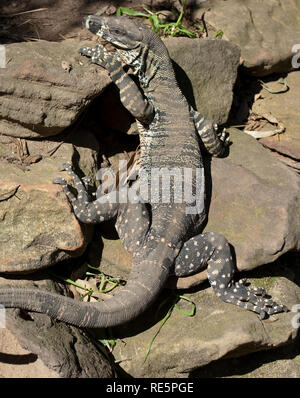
<point x="45" y="87"/>
<point x="36" y="346"/>
<point x="211" y="66"/>
<point x="38" y="228"/>
<point x="266" y="31"/>
<point x="285" y="107"/>
<point x="218" y="330"/>
<point x="254" y="203"/>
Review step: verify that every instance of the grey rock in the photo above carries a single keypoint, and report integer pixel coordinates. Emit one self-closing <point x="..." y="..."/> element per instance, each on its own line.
<point x="38" y="228"/>
<point x="211" y="66"/>
<point x="254" y="203"/>
<point x="45" y="87"/>
<point x="266" y="31"/>
<point x="285" y="107"/>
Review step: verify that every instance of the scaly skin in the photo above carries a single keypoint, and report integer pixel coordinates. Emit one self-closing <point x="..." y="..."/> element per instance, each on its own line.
<point x="164" y="237"/>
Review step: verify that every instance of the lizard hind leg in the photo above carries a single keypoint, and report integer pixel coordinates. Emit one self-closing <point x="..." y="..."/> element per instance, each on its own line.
<point x="220" y="272"/>
<point x="212" y="250"/>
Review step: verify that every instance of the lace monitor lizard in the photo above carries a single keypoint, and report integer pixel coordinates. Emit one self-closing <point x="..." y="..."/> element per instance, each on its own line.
<point x="164" y="237"/>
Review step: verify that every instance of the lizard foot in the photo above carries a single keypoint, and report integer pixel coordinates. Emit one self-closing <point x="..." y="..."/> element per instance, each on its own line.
<point x="100" y="56"/>
<point x="252" y="299"/>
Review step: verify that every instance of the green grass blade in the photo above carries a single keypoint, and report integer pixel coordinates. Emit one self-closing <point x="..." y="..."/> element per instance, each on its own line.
<point x="192" y="310"/>
<point x="130" y="11"/>
<point x="164" y="320"/>
<point x="218" y="34"/>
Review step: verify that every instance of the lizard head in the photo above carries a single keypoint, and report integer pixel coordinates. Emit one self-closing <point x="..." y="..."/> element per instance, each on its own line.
<point x="131" y="39"/>
<point x="121" y="32"/>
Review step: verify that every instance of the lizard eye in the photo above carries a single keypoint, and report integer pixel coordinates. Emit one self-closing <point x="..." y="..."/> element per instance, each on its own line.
<point x="118" y="31"/>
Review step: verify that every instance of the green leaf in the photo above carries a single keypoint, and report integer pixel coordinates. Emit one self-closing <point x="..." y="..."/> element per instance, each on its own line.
<point x="156" y="22"/>
<point x="130" y="11"/>
<point x="218" y="34"/>
<point x="164" y="320"/>
<point x="192" y="310"/>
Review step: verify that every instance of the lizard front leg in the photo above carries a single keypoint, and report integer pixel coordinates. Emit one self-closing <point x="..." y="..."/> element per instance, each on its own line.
<point x="214" y="142"/>
<point x="130" y="95"/>
<point x="212" y="250"/>
<point x="87" y="211"/>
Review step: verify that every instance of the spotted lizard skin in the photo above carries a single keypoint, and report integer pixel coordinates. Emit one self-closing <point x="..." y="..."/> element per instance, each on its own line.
<point x="164" y="238"/>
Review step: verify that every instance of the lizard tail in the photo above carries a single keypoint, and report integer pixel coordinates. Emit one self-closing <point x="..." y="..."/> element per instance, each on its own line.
<point x="144" y="285"/>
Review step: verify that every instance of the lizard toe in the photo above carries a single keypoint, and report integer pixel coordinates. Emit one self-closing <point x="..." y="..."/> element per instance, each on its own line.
<point x="66" y="166"/>
<point x="59" y="181"/>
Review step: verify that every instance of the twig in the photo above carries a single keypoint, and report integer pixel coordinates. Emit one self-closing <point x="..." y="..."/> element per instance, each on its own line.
<point x="21" y="13"/>
<point x="204" y="24"/>
<point x="9" y="194"/>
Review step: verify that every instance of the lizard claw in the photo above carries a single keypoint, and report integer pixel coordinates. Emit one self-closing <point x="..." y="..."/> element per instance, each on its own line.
<point x="59" y="181"/>
<point x="224" y="137"/>
<point x="66" y="166"/>
<point x="87" y="51"/>
<point x="86" y="180"/>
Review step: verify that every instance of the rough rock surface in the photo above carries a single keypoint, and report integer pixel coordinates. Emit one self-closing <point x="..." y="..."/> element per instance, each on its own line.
<point x="254" y="203"/>
<point x="38" y="228"/>
<point x="45" y="87"/>
<point x="60" y="349"/>
<point x="218" y="330"/>
<point x="285" y="107"/>
<point x="266" y="31"/>
<point x="211" y="65"/>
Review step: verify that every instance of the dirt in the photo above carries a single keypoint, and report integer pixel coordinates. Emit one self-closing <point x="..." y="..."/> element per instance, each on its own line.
<point x="55" y="20"/>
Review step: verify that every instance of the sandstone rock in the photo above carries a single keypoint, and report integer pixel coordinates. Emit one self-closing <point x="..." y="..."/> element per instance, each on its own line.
<point x="254" y="203"/>
<point x="40" y="96"/>
<point x="265" y="31"/>
<point x="211" y="65"/>
<point x="51" y="349"/>
<point x="38" y="228"/>
<point x="218" y="330"/>
<point x="285" y="107"/>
